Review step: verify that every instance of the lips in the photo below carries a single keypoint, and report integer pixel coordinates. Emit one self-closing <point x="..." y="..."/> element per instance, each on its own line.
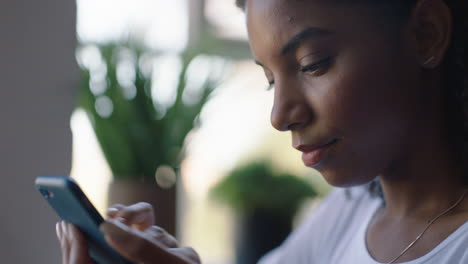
<point x="312" y="155"/>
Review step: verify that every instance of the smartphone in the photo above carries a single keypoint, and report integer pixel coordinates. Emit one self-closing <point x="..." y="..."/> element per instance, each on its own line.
<point x="71" y="204"/>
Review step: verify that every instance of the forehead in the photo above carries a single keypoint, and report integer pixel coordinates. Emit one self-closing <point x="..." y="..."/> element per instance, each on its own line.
<point x="271" y="23"/>
<point x="275" y="21"/>
<point x="283" y="6"/>
<point x="291" y="10"/>
<point x="279" y="12"/>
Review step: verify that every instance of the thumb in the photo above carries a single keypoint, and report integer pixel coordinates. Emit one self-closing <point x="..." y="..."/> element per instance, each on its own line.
<point x="136" y="246"/>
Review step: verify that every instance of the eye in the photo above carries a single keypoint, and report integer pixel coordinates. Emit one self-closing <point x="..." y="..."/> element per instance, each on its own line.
<point x="270" y="79"/>
<point x="270" y="86"/>
<point x="318" y="68"/>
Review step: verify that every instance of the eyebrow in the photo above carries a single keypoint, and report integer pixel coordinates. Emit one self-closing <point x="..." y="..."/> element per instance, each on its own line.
<point x="306" y="34"/>
<point x="296" y="40"/>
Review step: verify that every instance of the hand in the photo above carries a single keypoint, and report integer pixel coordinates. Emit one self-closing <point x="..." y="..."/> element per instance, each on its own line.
<point x="130" y="231"/>
<point x="73" y="244"/>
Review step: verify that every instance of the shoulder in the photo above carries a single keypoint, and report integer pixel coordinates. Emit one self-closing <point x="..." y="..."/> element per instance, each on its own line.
<point x="323" y="229"/>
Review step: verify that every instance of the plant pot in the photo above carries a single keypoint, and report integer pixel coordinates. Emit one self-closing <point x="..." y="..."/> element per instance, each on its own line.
<point x="259" y="232"/>
<point x="162" y="200"/>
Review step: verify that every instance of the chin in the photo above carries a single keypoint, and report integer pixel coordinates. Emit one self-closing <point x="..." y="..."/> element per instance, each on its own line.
<point x="344" y="179"/>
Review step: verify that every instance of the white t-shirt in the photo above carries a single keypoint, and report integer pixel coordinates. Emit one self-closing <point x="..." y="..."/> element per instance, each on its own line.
<point x="335" y="234"/>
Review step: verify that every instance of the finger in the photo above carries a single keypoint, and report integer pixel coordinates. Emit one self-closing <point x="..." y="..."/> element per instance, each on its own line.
<point x="58" y="231"/>
<point x="162" y="236"/>
<point x="139" y="215"/>
<point x="187" y="253"/>
<point x="114" y="210"/>
<point x="79" y="246"/>
<point x="135" y="245"/>
<point x="64" y="245"/>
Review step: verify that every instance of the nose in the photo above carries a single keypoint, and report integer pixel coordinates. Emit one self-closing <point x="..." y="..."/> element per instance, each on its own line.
<point x="290" y="110"/>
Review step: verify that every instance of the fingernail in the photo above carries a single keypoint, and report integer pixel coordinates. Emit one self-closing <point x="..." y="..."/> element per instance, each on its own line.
<point x="112" y="211"/>
<point x="58" y="230"/>
<point x="63" y="226"/>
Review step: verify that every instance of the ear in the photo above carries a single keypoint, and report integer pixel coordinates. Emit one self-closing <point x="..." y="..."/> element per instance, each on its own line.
<point x="432" y="28"/>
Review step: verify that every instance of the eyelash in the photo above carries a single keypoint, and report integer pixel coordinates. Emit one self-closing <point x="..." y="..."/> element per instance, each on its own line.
<point x="317" y="66"/>
<point x="311" y="68"/>
<point x="270" y="86"/>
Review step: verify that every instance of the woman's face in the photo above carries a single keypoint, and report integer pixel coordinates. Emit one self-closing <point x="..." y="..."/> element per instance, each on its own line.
<point x="345" y="85"/>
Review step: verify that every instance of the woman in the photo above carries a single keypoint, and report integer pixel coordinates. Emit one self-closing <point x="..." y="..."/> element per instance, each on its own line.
<point x="373" y="93"/>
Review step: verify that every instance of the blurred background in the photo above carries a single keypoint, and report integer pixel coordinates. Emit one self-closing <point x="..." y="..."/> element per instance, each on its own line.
<point x="157" y="93"/>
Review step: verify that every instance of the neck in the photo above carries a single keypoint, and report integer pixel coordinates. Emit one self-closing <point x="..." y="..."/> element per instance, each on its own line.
<point x="428" y="177"/>
<point x="424" y="183"/>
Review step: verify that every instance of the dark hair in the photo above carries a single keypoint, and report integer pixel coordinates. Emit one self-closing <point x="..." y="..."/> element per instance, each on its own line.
<point x="454" y="67"/>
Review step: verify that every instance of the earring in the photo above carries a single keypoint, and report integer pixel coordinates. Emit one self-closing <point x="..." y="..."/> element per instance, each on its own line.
<point x="429" y="60"/>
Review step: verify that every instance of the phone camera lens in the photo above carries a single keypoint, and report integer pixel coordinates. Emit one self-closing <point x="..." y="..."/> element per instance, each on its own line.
<point x="47" y="194"/>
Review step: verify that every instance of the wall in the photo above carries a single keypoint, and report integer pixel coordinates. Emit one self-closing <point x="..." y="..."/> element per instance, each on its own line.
<point x="37" y="83"/>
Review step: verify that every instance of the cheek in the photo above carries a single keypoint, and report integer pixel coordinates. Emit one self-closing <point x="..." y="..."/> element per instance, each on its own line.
<point x="362" y="99"/>
<point x="375" y="102"/>
<point x="371" y="110"/>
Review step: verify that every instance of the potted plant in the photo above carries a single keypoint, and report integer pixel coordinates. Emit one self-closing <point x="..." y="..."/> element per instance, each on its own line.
<point x="263" y="200"/>
<point x="142" y="139"/>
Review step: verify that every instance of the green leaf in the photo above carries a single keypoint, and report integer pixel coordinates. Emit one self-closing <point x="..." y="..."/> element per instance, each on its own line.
<point x="135" y="139"/>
